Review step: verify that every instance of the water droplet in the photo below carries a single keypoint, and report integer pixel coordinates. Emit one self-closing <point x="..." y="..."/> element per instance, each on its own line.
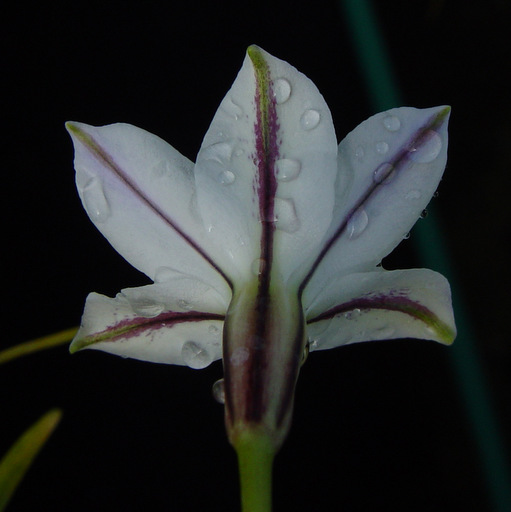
<point x="195" y="356"/>
<point x="406" y="236"/>
<point x="145" y="308"/>
<point x="384" y="173"/>
<point x="305" y="354"/>
<point x="310" y="119"/>
<point x="384" y="333"/>
<point x="162" y="168"/>
<point x="351" y="315"/>
<point x="213" y="329"/>
<point x="285" y="215"/>
<point x="218" y="391"/>
<point x="232" y="108"/>
<point x="163" y="274"/>
<point x="281" y="90"/>
<point x="95" y="201"/>
<point x="359" y="152"/>
<point x="258" y="266"/>
<point x="287" y="169"/>
<point x="239" y="356"/>
<point x="357" y="224"/>
<point x="436" y="194"/>
<point x="184" y="304"/>
<point x="424" y="214"/>
<point x="413" y="194"/>
<point x="392" y="123"/>
<point x="226" y="177"/>
<point x="382" y="147"/>
<point x="426" y="148"/>
<point x="219" y="152"/>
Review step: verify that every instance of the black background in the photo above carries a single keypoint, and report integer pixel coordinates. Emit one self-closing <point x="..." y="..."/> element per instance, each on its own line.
<point x="376" y="425"/>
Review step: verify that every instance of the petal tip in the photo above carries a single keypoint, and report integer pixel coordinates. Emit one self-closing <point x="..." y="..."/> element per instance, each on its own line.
<point x="77" y="344"/>
<point x="71" y="127"/>
<point x="442" y="115"/>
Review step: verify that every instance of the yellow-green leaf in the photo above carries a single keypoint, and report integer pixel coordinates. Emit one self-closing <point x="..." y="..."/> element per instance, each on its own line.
<point x="52" y="340"/>
<point x="20" y="456"/>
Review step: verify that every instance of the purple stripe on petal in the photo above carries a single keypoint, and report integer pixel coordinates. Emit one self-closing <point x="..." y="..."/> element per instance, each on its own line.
<point x="392" y="301"/>
<point x="104" y="157"/>
<point x="412" y="150"/>
<point x="129" y="328"/>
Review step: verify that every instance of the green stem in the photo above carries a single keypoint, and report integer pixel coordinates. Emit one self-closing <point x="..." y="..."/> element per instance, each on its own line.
<point x="255" y="461"/>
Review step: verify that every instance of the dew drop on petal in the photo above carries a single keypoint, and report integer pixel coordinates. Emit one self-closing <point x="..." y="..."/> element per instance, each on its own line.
<point x="413" y="194"/>
<point x="392" y="123"/>
<point x="384" y="173"/>
<point x="424" y="214"/>
<point x="426" y="148"/>
<point x="352" y="314"/>
<point x="184" y="304"/>
<point x="287" y="169"/>
<point x="305" y="354"/>
<point x="357" y="224"/>
<point x="163" y="274"/>
<point x="146" y="308"/>
<point x="258" y="266"/>
<point x="313" y="344"/>
<point x="406" y="236"/>
<point x="226" y="177"/>
<point x="382" y="147"/>
<point x="239" y="356"/>
<point x="384" y="333"/>
<point x="232" y="108"/>
<point x="195" y="356"/>
<point x="95" y="202"/>
<point x="218" y="391"/>
<point x="310" y="119"/>
<point x="285" y="215"/>
<point x="281" y="90"/>
<point x="213" y="329"/>
<point x="219" y="152"/>
<point x="359" y="152"/>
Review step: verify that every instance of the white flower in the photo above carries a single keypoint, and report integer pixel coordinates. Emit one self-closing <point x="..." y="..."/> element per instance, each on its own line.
<point x="270" y="244"/>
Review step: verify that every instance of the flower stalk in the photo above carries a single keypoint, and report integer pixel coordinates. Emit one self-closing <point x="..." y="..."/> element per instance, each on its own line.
<point x="255" y="459"/>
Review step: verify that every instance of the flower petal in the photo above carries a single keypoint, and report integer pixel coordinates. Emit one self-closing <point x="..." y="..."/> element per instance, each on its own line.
<point x="389" y="168"/>
<point x="177" y="322"/>
<point x="382" y="305"/>
<point x="267" y="157"/>
<point x="139" y="192"/>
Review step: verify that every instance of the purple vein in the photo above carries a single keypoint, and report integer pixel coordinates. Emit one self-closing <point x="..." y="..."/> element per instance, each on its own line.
<point x="105" y="158"/>
<point x="133" y="327"/>
<point x="397" y="163"/>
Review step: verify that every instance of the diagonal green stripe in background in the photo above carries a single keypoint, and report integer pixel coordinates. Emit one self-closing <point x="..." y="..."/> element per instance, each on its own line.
<point x="384" y="93"/>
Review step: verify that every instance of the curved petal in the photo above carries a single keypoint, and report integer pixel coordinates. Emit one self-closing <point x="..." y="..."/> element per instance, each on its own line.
<point x="177" y="322"/>
<point x="139" y="192"/>
<point x="389" y="168"/>
<point x="267" y="157"/>
<point x="381" y="306"/>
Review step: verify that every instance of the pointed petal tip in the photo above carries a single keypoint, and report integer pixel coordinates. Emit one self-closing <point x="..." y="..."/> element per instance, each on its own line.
<point x="441" y="332"/>
<point x="253" y="49"/>
<point x="76" y="345"/>
<point x="256" y="55"/>
<point x="444" y="113"/>
<point x="71" y="127"/>
<point x="441" y="116"/>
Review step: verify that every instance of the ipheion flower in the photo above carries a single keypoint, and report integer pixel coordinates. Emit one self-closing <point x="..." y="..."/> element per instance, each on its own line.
<point x="269" y="245"/>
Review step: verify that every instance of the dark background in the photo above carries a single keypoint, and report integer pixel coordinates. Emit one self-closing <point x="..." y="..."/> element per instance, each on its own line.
<point x="376" y="425"/>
